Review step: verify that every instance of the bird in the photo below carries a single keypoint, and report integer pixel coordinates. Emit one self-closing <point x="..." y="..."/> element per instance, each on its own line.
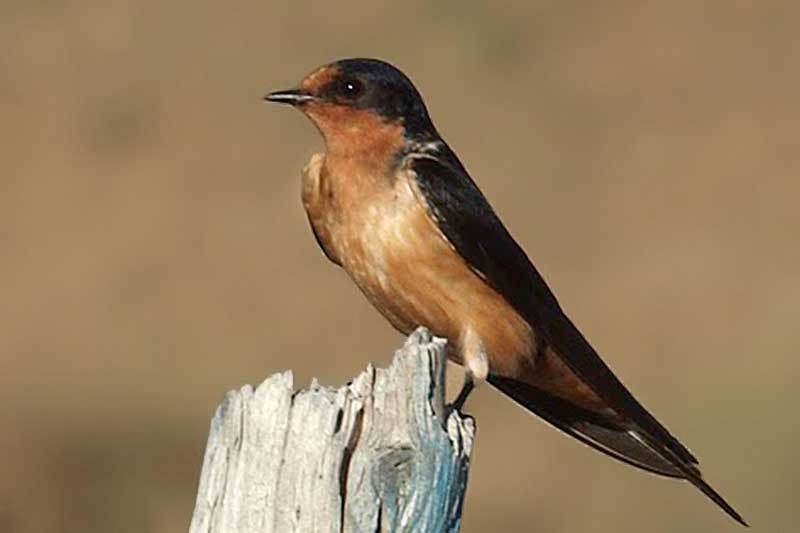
<point x="392" y="205"/>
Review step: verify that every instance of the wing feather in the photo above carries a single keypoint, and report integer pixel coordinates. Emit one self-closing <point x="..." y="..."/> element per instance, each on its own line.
<point x="467" y="220"/>
<point x="470" y="224"/>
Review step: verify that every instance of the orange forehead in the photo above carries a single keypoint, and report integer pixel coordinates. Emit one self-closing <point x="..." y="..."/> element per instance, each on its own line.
<point x="319" y="78"/>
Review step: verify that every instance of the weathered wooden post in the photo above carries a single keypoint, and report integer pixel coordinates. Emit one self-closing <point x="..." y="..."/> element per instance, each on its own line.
<point x="375" y="455"/>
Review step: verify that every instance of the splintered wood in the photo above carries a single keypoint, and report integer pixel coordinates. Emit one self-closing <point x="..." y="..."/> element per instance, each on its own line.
<point x="374" y="455"/>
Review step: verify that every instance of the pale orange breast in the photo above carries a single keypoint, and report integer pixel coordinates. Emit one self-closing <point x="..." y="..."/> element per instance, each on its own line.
<point x="400" y="260"/>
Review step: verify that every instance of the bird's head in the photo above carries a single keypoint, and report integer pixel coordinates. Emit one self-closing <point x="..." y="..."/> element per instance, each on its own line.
<point x="356" y="103"/>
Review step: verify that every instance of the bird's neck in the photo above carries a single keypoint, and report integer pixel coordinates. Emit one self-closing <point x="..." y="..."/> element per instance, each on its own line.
<point x="358" y="134"/>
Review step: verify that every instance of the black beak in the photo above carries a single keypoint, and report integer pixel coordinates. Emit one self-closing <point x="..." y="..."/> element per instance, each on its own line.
<point x="291" y="97"/>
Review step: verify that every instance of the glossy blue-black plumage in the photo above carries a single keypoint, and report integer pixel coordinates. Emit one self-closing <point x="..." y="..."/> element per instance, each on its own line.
<point x="479" y="236"/>
<point x="384" y="90"/>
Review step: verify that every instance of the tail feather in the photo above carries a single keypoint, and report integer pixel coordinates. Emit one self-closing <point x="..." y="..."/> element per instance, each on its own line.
<point x="627" y="444"/>
<point x="692" y="474"/>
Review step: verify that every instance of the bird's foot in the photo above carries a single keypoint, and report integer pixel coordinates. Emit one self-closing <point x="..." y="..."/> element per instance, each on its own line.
<point x="458" y="403"/>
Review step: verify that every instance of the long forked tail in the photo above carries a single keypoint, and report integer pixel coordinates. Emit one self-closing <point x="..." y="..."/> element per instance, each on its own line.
<point x="627" y="444"/>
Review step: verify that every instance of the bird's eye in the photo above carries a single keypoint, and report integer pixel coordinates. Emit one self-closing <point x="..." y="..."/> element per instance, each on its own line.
<point x="350" y="88"/>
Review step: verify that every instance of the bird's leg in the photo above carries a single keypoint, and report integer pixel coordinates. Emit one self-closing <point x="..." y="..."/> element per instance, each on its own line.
<point x="476" y="366"/>
<point x="469" y="384"/>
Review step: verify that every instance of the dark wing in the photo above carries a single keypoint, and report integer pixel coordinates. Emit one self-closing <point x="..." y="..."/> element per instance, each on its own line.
<point x="597" y="431"/>
<point x="469" y="223"/>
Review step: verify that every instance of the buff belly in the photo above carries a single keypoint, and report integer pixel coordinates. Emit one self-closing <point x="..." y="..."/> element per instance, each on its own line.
<point x="403" y="264"/>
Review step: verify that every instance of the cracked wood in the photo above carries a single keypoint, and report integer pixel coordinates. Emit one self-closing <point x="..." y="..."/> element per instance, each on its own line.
<point x="375" y="455"/>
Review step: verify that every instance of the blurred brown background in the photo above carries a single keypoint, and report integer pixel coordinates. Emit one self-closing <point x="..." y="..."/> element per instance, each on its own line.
<point x="155" y="253"/>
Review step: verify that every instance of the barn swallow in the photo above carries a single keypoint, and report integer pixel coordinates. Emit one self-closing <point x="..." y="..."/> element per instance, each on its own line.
<point x="391" y="204"/>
